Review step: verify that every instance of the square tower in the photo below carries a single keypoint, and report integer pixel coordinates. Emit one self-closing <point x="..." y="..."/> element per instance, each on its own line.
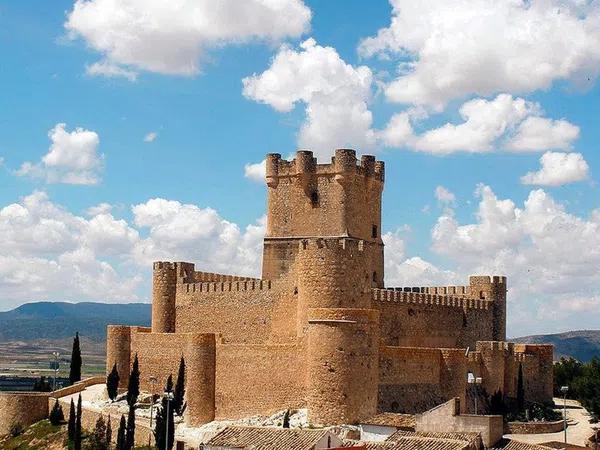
<point x="309" y="200"/>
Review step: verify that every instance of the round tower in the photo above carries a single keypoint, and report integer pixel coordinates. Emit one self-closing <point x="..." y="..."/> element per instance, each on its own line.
<point x="164" y="281"/>
<point x="118" y="351"/>
<point x="342" y="364"/>
<point x="200" y="360"/>
<point x="339" y="329"/>
<point x="332" y="273"/>
<point x="492" y="288"/>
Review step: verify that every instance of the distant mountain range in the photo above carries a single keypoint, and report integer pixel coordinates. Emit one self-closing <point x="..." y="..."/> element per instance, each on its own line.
<point x="582" y="345"/>
<point x="60" y="320"/>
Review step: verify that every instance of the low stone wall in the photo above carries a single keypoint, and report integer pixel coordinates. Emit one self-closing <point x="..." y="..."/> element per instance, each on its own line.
<point x="23" y="408"/>
<point x="533" y="427"/>
<point x="77" y="387"/>
<point x="447" y="418"/>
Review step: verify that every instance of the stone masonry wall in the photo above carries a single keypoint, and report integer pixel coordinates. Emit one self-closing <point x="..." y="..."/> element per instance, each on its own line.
<point x="23" y="408"/>
<point x="250" y="312"/>
<point x="258" y="379"/>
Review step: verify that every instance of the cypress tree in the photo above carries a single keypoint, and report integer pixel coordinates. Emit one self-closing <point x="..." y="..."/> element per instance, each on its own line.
<point x="121" y="434"/>
<point x="133" y="388"/>
<point x="108" y="433"/>
<point x="77" y="436"/>
<point x="130" y="434"/>
<point x="520" y="390"/>
<point x="179" y="399"/>
<point x="97" y="440"/>
<point x="160" y="425"/>
<point x="75" y="371"/>
<point x="286" y="419"/>
<point x="112" y="383"/>
<point x="71" y="425"/>
<point x="56" y="415"/>
<point x="169" y="386"/>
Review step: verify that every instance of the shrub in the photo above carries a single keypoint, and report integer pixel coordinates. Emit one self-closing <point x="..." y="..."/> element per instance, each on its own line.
<point x="16" y="429"/>
<point x="57" y="416"/>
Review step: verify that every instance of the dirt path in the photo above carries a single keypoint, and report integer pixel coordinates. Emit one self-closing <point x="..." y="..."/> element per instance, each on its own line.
<point x="579" y="428"/>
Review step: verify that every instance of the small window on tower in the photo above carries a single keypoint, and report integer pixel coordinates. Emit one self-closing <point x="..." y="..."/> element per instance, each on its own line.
<point x="481" y="295"/>
<point x="374" y="231"/>
<point x="314" y="198"/>
<point x="375" y="277"/>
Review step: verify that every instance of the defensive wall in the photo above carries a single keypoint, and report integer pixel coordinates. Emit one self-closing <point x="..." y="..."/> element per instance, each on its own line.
<point x="447" y="417"/>
<point x="21" y="408"/>
<point x="306" y="199"/>
<point x="319" y="329"/>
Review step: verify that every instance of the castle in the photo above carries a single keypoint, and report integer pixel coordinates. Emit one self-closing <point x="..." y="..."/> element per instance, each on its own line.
<point x="319" y="330"/>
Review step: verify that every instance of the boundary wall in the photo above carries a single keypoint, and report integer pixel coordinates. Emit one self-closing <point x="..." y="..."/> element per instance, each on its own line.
<point x="23" y="408"/>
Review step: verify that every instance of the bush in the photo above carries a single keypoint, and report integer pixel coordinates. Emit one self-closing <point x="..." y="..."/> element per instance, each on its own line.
<point x="16" y="429"/>
<point x="57" y="416"/>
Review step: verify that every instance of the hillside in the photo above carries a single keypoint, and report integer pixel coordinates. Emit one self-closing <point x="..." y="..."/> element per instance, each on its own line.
<point x="582" y="345"/>
<point x="59" y="320"/>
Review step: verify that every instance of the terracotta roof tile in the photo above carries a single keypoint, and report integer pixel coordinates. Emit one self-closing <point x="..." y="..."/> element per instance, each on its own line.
<point x="405" y="421"/>
<point x="262" y="438"/>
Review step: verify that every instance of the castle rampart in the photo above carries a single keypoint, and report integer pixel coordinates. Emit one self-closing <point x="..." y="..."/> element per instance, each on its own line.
<point x="319" y="329"/>
<point x="342" y="360"/>
<point x="21" y="408"/>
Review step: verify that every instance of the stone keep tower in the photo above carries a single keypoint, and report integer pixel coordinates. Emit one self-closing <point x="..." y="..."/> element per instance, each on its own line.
<point x="308" y="200"/>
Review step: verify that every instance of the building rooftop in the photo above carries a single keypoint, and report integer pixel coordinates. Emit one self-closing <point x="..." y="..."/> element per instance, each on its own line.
<point x="388" y="419"/>
<point x="262" y="438"/>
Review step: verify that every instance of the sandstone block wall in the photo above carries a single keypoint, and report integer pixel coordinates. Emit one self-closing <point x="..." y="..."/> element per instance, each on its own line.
<point x="306" y="199"/>
<point x="251" y="312"/>
<point x="409" y="379"/>
<point x="342" y="363"/>
<point x="23" y="408"/>
<point x="259" y="379"/>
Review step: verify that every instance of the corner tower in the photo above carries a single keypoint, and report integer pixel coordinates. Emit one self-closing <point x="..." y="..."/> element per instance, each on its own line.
<point x="309" y="200"/>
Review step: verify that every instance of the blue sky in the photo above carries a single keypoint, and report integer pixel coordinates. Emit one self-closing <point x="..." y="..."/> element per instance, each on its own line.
<point x="461" y="102"/>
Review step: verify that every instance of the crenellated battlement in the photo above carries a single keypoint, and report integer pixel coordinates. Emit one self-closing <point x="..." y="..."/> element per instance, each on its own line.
<point x="344" y="244"/>
<point x="423" y="298"/>
<point x="227" y="286"/>
<point x="442" y="290"/>
<point x="305" y="164"/>
<point x="202" y="277"/>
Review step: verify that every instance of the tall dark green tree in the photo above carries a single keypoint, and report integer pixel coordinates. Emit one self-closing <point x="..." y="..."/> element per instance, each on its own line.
<point x="77" y="435"/>
<point x="520" y="389"/>
<point x="121" y="434"/>
<point x="133" y="388"/>
<point x="497" y="406"/>
<point x="169" y="386"/>
<point x="71" y="424"/>
<point x="286" y="419"/>
<point x="179" y="394"/>
<point x="164" y="414"/>
<point x="130" y="432"/>
<point x="75" y="371"/>
<point x="97" y="441"/>
<point x="112" y="383"/>
<point x="56" y="415"/>
<point x="108" y="432"/>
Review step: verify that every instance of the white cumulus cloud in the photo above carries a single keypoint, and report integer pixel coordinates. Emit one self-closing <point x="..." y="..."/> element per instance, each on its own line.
<point x="449" y="50"/>
<point x="540" y="133"/>
<point x="504" y="122"/>
<point x="443" y="195"/>
<point x="151" y="136"/>
<point x="335" y="96"/>
<point x="558" y="169"/>
<point x="551" y="257"/>
<point x="172" y="37"/>
<point x="256" y="171"/>
<point x="73" y="158"/>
